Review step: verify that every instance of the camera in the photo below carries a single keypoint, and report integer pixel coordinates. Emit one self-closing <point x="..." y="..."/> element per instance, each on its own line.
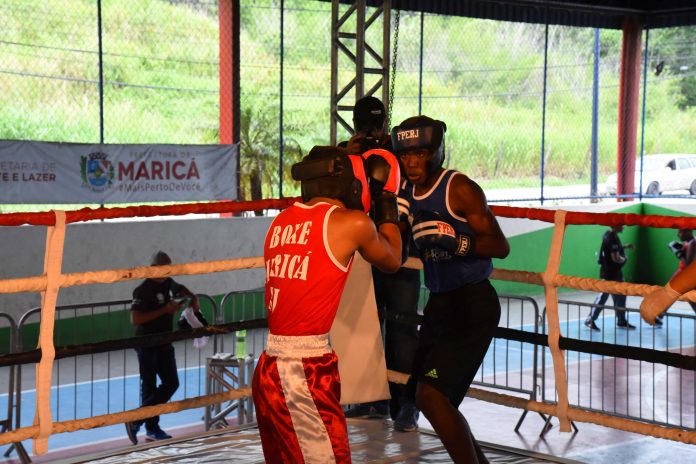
<point x="369" y="141"/>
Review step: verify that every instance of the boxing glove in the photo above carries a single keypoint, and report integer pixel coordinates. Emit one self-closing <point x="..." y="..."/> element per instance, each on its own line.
<point x="382" y="169"/>
<point x="430" y="230"/>
<point x="677" y="248"/>
<point x="657" y="303"/>
<point x="384" y="209"/>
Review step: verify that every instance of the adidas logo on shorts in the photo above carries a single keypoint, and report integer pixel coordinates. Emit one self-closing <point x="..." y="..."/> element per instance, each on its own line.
<point x="432" y="373"/>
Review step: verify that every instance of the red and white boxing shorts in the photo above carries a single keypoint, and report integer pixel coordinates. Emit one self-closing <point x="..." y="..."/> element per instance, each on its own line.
<point x="296" y="391"/>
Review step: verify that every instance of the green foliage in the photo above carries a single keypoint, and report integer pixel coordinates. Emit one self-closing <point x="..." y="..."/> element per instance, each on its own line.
<point x="672" y="58"/>
<point x="484" y="78"/>
<point x="259" y="147"/>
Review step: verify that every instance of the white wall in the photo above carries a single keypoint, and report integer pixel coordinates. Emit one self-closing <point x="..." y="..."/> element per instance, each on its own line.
<point x="115" y="245"/>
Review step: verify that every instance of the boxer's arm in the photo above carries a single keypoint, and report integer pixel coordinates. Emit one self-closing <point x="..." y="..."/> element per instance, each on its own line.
<point x="685" y="280"/>
<point x="351" y="230"/>
<point x="661" y="299"/>
<point x="381" y="246"/>
<point x="468" y="200"/>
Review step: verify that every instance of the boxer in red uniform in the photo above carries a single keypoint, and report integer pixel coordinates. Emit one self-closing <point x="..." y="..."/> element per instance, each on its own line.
<point x="308" y="253"/>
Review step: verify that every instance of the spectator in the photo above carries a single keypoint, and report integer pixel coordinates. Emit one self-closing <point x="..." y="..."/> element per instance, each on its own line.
<point x="154" y="303"/>
<point x="369" y="124"/>
<point x="396" y="294"/>
<point x="612" y="259"/>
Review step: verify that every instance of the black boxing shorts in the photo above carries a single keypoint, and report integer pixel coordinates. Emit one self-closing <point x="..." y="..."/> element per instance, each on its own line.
<point x="457" y="329"/>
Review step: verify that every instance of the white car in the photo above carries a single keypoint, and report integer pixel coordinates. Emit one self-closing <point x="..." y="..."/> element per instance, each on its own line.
<point x="661" y="173"/>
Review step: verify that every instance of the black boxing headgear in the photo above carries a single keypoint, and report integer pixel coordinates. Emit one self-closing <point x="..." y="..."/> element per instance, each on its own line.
<point x="421" y="132"/>
<point x="328" y="172"/>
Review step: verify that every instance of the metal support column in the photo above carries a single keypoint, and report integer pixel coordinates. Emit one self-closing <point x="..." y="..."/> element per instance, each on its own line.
<point x="371" y="68"/>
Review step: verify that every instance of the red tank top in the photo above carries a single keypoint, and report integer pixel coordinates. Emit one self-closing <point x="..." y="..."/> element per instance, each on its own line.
<point x="304" y="281"/>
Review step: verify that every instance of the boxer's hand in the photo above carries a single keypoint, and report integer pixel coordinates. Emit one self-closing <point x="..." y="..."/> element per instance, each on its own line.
<point x="657" y="302"/>
<point x="430" y="231"/>
<point x="382" y="169"/>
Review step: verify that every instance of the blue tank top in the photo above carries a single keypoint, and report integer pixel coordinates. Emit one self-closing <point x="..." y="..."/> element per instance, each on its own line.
<point x="444" y="271"/>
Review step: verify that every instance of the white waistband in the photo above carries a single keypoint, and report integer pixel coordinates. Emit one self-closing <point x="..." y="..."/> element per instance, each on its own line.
<point x="305" y="346"/>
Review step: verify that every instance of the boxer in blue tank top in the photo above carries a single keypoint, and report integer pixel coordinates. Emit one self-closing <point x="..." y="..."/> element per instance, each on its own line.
<point x="456" y="235"/>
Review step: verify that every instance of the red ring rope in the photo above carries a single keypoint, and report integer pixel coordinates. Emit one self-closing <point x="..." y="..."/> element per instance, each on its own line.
<point x="546" y="215"/>
<point x="605" y="219"/>
<point x="89" y="214"/>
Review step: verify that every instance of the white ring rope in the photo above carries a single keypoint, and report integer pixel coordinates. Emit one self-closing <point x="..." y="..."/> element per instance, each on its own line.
<point x="554" y="324"/>
<point x="144" y="412"/>
<point x="53" y="259"/>
<point x="38" y="283"/>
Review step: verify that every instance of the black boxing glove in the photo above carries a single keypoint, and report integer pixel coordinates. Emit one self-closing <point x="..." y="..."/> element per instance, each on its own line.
<point x="677" y="248"/>
<point x="382" y="169"/>
<point x="384" y="209"/>
<point x="430" y="230"/>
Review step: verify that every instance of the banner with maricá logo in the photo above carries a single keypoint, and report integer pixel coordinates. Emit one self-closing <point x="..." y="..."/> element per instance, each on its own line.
<point x="47" y="172"/>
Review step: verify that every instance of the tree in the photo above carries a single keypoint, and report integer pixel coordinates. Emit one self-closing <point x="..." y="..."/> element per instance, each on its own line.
<point x="259" y="152"/>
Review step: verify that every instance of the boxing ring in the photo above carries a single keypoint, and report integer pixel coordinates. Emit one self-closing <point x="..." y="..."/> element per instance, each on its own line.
<point x="244" y="442"/>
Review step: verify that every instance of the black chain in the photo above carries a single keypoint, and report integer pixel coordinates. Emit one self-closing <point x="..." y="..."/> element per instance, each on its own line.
<point x="393" y="67"/>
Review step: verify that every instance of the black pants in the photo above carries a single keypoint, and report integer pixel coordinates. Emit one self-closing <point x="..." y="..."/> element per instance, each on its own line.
<point x="397" y="302"/>
<point x="618" y="299"/>
<point x="457" y="329"/>
<point x="156" y="361"/>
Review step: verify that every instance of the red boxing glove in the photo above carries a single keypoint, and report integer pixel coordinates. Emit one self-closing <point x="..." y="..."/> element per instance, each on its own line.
<point x="382" y="169"/>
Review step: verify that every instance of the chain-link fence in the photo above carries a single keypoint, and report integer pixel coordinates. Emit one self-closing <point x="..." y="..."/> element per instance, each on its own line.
<point x="147" y="71"/>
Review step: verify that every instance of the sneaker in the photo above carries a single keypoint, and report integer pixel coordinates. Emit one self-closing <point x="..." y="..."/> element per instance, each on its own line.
<point x="625" y="325"/>
<point x="407" y="419"/>
<point x="590" y="324"/>
<point x="132" y="430"/>
<point x="658" y="323"/>
<point x="158" y="434"/>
